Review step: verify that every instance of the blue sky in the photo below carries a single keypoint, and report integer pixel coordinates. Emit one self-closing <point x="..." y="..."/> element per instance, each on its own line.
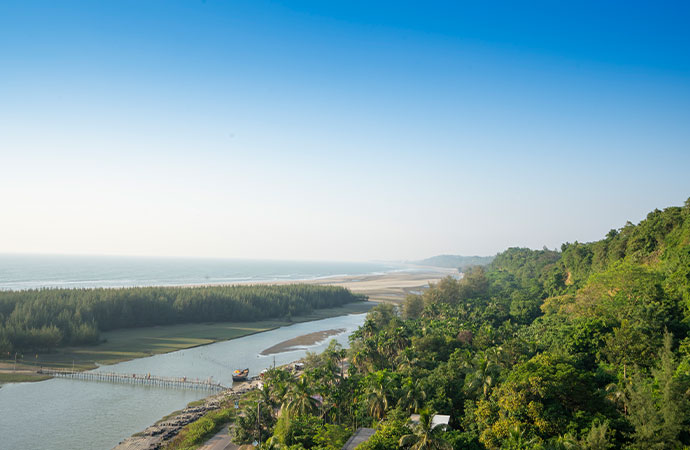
<point x="337" y="130"/>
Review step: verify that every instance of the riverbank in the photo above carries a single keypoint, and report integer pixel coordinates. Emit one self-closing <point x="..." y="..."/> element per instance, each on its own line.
<point x="84" y="415"/>
<point x="169" y="427"/>
<point x="127" y="344"/>
<point x="9" y="375"/>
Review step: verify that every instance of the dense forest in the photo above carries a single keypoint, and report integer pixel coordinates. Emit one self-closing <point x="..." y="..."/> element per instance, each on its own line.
<point x="582" y="348"/>
<point x="47" y="318"/>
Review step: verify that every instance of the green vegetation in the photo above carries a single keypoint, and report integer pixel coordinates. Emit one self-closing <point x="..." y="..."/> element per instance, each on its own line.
<point x="200" y="430"/>
<point x="303" y="412"/>
<point x="46" y="319"/>
<point x="20" y="377"/>
<point x="586" y="348"/>
<point x="126" y="344"/>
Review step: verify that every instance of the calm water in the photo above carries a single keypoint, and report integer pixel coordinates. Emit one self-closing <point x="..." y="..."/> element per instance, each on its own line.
<point x="36" y="271"/>
<point x="66" y="414"/>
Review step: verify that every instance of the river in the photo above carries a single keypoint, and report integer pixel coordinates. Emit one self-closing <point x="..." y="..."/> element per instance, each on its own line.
<point x="70" y="414"/>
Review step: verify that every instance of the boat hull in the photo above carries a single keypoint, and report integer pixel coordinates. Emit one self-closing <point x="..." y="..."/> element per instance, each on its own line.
<point x="240" y="375"/>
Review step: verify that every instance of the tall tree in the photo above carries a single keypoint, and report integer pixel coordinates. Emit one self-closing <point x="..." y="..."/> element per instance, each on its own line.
<point x="425" y="436"/>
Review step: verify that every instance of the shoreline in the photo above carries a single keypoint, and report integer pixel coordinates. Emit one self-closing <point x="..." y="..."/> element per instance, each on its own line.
<point x="411" y="269"/>
<point x="169" y="426"/>
<point x="388" y="287"/>
<point x="30" y="373"/>
<point x="379" y="287"/>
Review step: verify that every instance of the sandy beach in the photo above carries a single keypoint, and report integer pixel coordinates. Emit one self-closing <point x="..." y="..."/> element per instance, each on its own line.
<point x="390" y="286"/>
<point x="380" y="287"/>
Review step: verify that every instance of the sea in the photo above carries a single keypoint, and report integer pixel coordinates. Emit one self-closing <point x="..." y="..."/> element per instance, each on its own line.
<point x="21" y="272"/>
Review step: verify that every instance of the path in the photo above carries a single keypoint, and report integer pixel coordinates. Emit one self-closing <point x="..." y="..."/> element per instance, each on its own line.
<point x="221" y="441"/>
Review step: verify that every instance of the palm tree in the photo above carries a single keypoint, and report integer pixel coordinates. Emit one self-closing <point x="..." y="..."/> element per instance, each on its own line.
<point x="425" y="436"/>
<point x="413" y="395"/>
<point x="277" y="382"/>
<point x="395" y="342"/>
<point x="406" y="360"/>
<point x="517" y="440"/>
<point x="378" y="401"/>
<point x="379" y="392"/>
<point x="563" y="442"/>
<point x="617" y="395"/>
<point x="299" y="398"/>
<point x="266" y="398"/>
<point x="334" y="355"/>
<point x="483" y="376"/>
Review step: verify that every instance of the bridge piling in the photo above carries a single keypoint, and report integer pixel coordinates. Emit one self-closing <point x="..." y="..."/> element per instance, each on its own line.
<point x="137" y="379"/>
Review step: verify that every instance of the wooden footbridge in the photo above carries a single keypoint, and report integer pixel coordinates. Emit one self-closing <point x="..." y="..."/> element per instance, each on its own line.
<point x="144" y="380"/>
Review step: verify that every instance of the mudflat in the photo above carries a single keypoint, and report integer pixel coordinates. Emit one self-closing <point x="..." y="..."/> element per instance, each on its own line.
<point x="301" y="341"/>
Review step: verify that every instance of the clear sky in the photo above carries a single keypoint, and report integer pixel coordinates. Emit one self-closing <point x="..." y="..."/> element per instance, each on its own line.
<point x="350" y="130"/>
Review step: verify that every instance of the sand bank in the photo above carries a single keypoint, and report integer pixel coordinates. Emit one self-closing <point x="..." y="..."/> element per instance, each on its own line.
<point x="390" y="286"/>
<point x="301" y="341"/>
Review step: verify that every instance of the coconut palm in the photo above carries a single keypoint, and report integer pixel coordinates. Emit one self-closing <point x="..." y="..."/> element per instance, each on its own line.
<point x="425" y="436"/>
<point x="276" y="383"/>
<point x="483" y="376"/>
<point x="413" y="395"/>
<point x="379" y="394"/>
<point x="378" y="401"/>
<point x="517" y="440"/>
<point x="562" y="442"/>
<point x="266" y="397"/>
<point x="299" y="399"/>
<point x="406" y="360"/>
<point x="395" y="342"/>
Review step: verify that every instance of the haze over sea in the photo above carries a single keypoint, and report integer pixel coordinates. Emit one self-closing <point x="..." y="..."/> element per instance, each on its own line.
<point x="19" y="272"/>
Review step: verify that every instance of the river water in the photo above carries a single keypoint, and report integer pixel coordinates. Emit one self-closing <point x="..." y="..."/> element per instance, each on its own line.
<point x="71" y="414"/>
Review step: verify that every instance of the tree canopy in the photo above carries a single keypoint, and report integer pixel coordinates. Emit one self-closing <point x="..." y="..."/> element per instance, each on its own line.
<point x="582" y="348"/>
<point x="47" y="318"/>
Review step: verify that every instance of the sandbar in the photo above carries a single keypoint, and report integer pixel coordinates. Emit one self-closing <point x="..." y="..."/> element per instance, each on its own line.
<point x="301" y="341"/>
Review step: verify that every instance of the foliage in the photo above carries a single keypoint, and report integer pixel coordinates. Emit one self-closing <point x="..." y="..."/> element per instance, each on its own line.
<point x="200" y="430"/>
<point x="545" y="396"/>
<point x="299" y="430"/>
<point x="659" y="404"/>
<point x="586" y="348"/>
<point x="47" y="318"/>
<point x="254" y="423"/>
<point x="425" y="436"/>
<point x="388" y="432"/>
<point x="331" y="437"/>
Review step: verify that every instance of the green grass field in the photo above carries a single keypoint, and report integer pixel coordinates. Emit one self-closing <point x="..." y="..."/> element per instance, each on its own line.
<point x="21" y="377"/>
<point x="126" y="344"/>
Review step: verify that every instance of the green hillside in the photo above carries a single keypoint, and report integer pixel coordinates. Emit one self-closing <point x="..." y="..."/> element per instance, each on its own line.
<point x="583" y="348"/>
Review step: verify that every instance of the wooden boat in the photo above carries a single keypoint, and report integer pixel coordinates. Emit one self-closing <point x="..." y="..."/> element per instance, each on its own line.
<point x="240" y="375"/>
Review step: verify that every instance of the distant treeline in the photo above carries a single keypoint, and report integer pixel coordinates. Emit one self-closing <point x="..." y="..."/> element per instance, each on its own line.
<point x="48" y="318"/>
<point x="459" y="262"/>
